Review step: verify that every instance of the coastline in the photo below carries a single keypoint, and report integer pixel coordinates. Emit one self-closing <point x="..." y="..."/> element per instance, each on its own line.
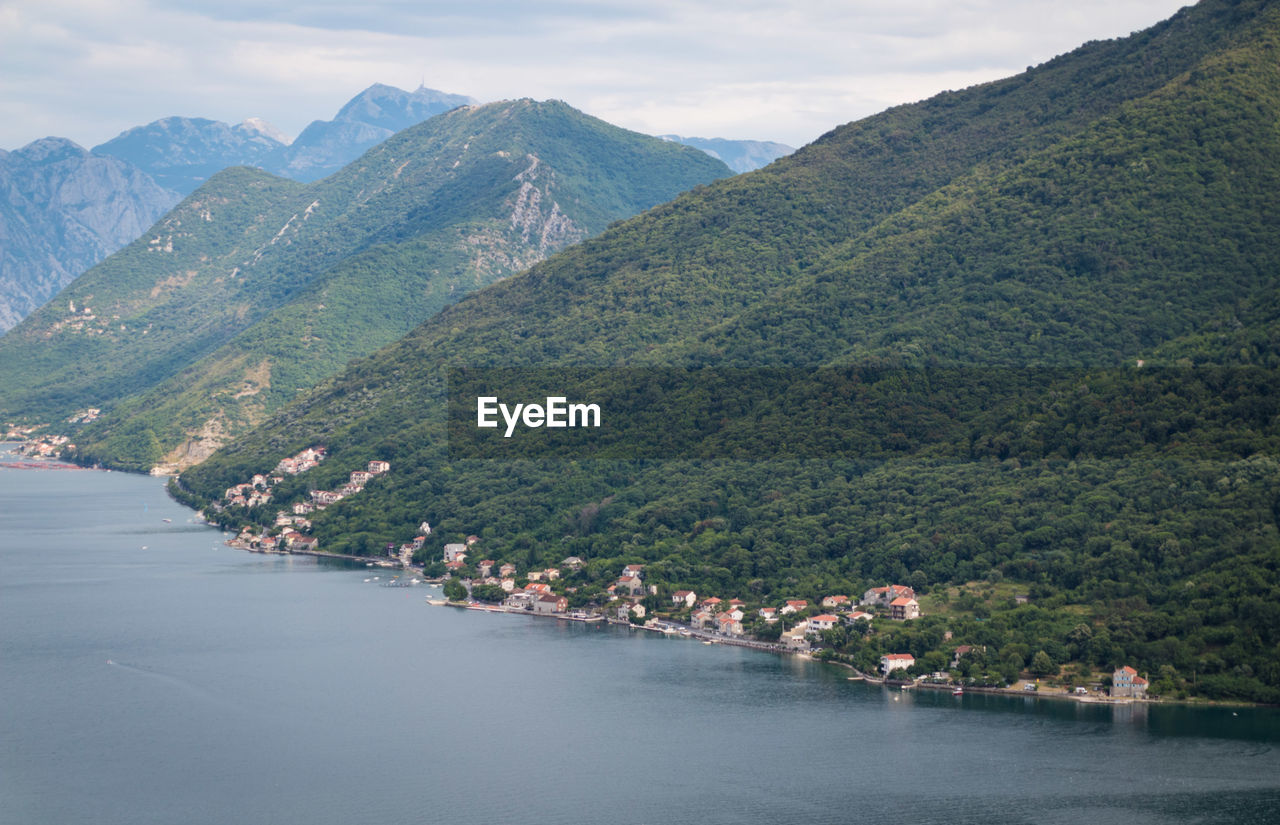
<point x="27" y="462"/>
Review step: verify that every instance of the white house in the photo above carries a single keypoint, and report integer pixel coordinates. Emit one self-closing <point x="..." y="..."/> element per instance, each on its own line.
<point x="896" y="661"/>
<point x="684" y="598"/>
<point x="826" y="621"/>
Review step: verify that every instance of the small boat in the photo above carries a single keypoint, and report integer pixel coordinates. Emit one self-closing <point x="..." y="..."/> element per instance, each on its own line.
<point x="958" y="691"/>
<point x="167" y="520"/>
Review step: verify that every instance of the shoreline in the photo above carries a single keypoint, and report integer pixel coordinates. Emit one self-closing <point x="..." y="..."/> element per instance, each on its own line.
<point x="26" y="462"/>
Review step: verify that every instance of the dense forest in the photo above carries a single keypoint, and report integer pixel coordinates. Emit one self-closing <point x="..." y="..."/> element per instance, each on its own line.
<point x="1016" y="340"/>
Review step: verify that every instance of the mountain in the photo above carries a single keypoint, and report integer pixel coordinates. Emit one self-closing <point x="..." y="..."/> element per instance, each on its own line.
<point x="181" y="153"/>
<point x="64" y="209"/>
<point x="738" y="155"/>
<point x="256" y="287"/>
<point x="1043" y="313"/>
<point x="369" y="118"/>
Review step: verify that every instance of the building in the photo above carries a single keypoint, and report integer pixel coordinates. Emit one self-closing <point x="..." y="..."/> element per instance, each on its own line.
<point x="896" y="661"/>
<point x="796" y="637"/>
<point x="728" y="625"/>
<point x="902" y="609"/>
<point x="884" y="596"/>
<point x="826" y="621"/>
<point x="794" y="606"/>
<point x="836" y="602"/>
<point x="683" y="598"/>
<point x="769" y="614"/>
<point x="455" y="552"/>
<point x="1126" y="682"/>
<point x="379" y="467"/>
<point x="631" y="586"/>
<point x="549" y="603"/>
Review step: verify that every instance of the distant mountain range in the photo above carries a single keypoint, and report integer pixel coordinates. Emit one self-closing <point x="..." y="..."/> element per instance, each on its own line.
<point x="53" y="239"/>
<point x="256" y="287"/>
<point x="63" y="209"/>
<point x="738" y="155"/>
<point x="182" y="153"/>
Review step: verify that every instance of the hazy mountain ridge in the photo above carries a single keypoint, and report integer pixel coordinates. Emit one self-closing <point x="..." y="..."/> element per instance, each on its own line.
<point x="738" y="155"/>
<point x="182" y="153"/>
<point x="64" y="209"/>
<point x="369" y="118"/>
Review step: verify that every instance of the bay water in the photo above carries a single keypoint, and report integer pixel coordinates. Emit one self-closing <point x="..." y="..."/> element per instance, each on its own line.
<point x="150" y="674"/>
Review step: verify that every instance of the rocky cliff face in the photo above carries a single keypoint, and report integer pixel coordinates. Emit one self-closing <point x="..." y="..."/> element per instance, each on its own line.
<point x="63" y="209"/>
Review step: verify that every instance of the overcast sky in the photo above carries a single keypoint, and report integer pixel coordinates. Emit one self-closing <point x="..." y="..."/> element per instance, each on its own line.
<point x="785" y="70"/>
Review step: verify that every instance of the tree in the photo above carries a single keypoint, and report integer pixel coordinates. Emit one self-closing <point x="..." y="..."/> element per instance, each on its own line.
<point x="1042" y="665"/>
<point x="455" y="590"/>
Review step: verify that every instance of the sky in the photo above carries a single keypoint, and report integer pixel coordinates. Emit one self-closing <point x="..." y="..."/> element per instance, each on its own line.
<point x="782" y="70"/>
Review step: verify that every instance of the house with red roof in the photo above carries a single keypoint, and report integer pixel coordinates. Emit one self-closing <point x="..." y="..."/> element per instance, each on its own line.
<point x="896" y="661"/>
<point x="549" y="603"/>
<point x="902" y="609"/>
<point x="822" y="622"/>
<point x="728" y="625"/>
<point x="884" y="596"/>
<point x="683" y="598"/>
<point x="1127" y="683"/>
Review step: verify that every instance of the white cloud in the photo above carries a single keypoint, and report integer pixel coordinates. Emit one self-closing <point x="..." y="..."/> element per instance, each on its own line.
<point x="767" y="69"/>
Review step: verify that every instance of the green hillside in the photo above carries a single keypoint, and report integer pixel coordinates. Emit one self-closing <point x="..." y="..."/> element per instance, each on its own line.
<point x="257" y="287"/>
<point x="1058" y="297"/>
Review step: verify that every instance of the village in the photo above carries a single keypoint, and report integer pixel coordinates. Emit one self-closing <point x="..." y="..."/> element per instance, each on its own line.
<point x="288" y="533"/>
<point x="792" y="626"/>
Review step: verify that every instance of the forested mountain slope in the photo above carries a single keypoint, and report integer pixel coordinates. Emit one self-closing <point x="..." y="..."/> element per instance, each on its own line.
<point x="255" y="287"/>
<point x="1057" y="294"/>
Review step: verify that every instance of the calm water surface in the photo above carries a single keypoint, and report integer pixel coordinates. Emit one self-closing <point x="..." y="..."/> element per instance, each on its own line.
<point x="149" y="674"/>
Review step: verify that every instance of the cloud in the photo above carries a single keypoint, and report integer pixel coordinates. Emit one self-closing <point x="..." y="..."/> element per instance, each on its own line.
<point x="766" y="69"/>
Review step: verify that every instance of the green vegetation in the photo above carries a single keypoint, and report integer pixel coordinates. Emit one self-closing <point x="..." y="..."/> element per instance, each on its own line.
<point x="1115" y="205"/>
<point x="255" y="288"/>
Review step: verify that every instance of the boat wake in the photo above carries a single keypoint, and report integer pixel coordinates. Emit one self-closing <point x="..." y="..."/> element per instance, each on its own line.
<point x="177" y="683"/>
